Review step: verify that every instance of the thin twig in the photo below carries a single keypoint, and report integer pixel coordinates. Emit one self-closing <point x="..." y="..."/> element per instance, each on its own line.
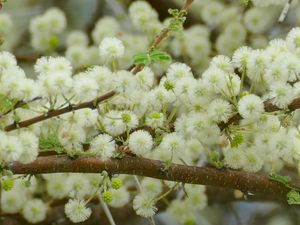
<point x="107" y="212"/>
<point x="54" y="113"/>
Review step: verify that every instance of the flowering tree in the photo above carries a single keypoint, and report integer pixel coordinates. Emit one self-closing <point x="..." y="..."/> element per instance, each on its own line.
<point x="143" y="121"/>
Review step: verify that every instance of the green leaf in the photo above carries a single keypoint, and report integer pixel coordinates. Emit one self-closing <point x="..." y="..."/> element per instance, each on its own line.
<point x="118" y="155"/>
<point x="293" y="197"/>
<point x="285" y="180"/>
<point x="6" y="104"/>
<point x="50" y="143"/>
<point x="142" y="59"/>
<point x="154" y="56"/>
<point x="159" y="56"/>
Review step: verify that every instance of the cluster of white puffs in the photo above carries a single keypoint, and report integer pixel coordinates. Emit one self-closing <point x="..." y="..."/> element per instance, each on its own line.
<point x="199" y="103"/>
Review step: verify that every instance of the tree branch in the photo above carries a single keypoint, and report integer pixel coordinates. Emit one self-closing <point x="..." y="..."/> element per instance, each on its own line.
<point x="53" y="113"/>
<point x="246" y="182"/>
<point x="269" y="107"/>
<point x="163" y="34"/>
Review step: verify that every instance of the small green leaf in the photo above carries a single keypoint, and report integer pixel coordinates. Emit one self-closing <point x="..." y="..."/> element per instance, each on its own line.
<point x="142" y="59"/>
<point x="285" y="180"/>
<point x="6" y="104"/>
<point x="118" y="155"/>
<point x="159" y="56"/>
<point x="50" y="143"/>
<point x="154" y="56"/>
<point x="293" y="197"/>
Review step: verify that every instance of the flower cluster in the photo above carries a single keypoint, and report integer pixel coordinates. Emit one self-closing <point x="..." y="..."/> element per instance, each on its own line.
<point x="46" y="28"/>
<point x="216" y="110"/>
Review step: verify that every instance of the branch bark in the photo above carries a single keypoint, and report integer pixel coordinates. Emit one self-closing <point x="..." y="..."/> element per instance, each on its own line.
<point x="249" y="183"/>
<point x="54" y="113"/>
<point x="269" y="107"/>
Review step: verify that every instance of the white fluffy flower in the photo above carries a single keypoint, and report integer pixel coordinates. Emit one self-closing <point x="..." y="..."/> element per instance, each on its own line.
<point x="151" y="187"/>
<point x="51" y="65"/>
<point x="56" y="19"/>
<point x="56" y="186"/>
<point x="173" y="142"/>
<point x="125" y="81"/>
<point x="145" y="78"/>
<point x="120" y="197"/>
<point x="155" y="119"/>
<point x="177" y="71"/>
<point x="216" y="78"/>
<point x="85" y="87"/>
<point x="35" y="211"/>
<point x="7" y="60"/>
<point x="240" y="57"/>
<point x="140" y="142"/>
<point x="222" y="62"/>
<point x="13" y="201"/>
<point x="77" y="211"/>
<point x="113" y="123"/>
<point x="103" y="145"/>
<point x="234" y="158"/>
<point x="105" y="27"/>
<point x="219" y="110"/>
<point x="30" y="146"/>
<point x="293" y="39"/>
<point x="77" y="37"/>
<point x="78" y="185"/>
<point x="111" y="47"/>
<point x="251" y="107"/>
<point x="282" y="94"/>
<point x="276" y="72"/>
<point x="144" y="205"/>
<point x="78" y="55"/>
<point x="254" y="161"/>
<point x="10" y="148"/>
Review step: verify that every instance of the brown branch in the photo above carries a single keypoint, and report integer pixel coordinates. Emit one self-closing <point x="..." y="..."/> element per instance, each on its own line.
<point x="246" y="182"/>
<point x="53" y="113"/>
<point x="163" y="34"/>
<point x="269" y="107"/>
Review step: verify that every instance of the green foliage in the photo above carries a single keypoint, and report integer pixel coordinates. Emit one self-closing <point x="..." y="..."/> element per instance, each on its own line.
<point x="7" y="184"/>
<point x="293" y="197"/>
<point x="154" y="56"/>
<point x="6" y="104"/>
<point x="176" y="23"/>
<point x="237" y="140"/>
<point x="214" y="158"/>
<point x="50" y="143"/>
<point x="157" y="138"/>
<point x="118" y="155"/>
<point x="285" y="180"/>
